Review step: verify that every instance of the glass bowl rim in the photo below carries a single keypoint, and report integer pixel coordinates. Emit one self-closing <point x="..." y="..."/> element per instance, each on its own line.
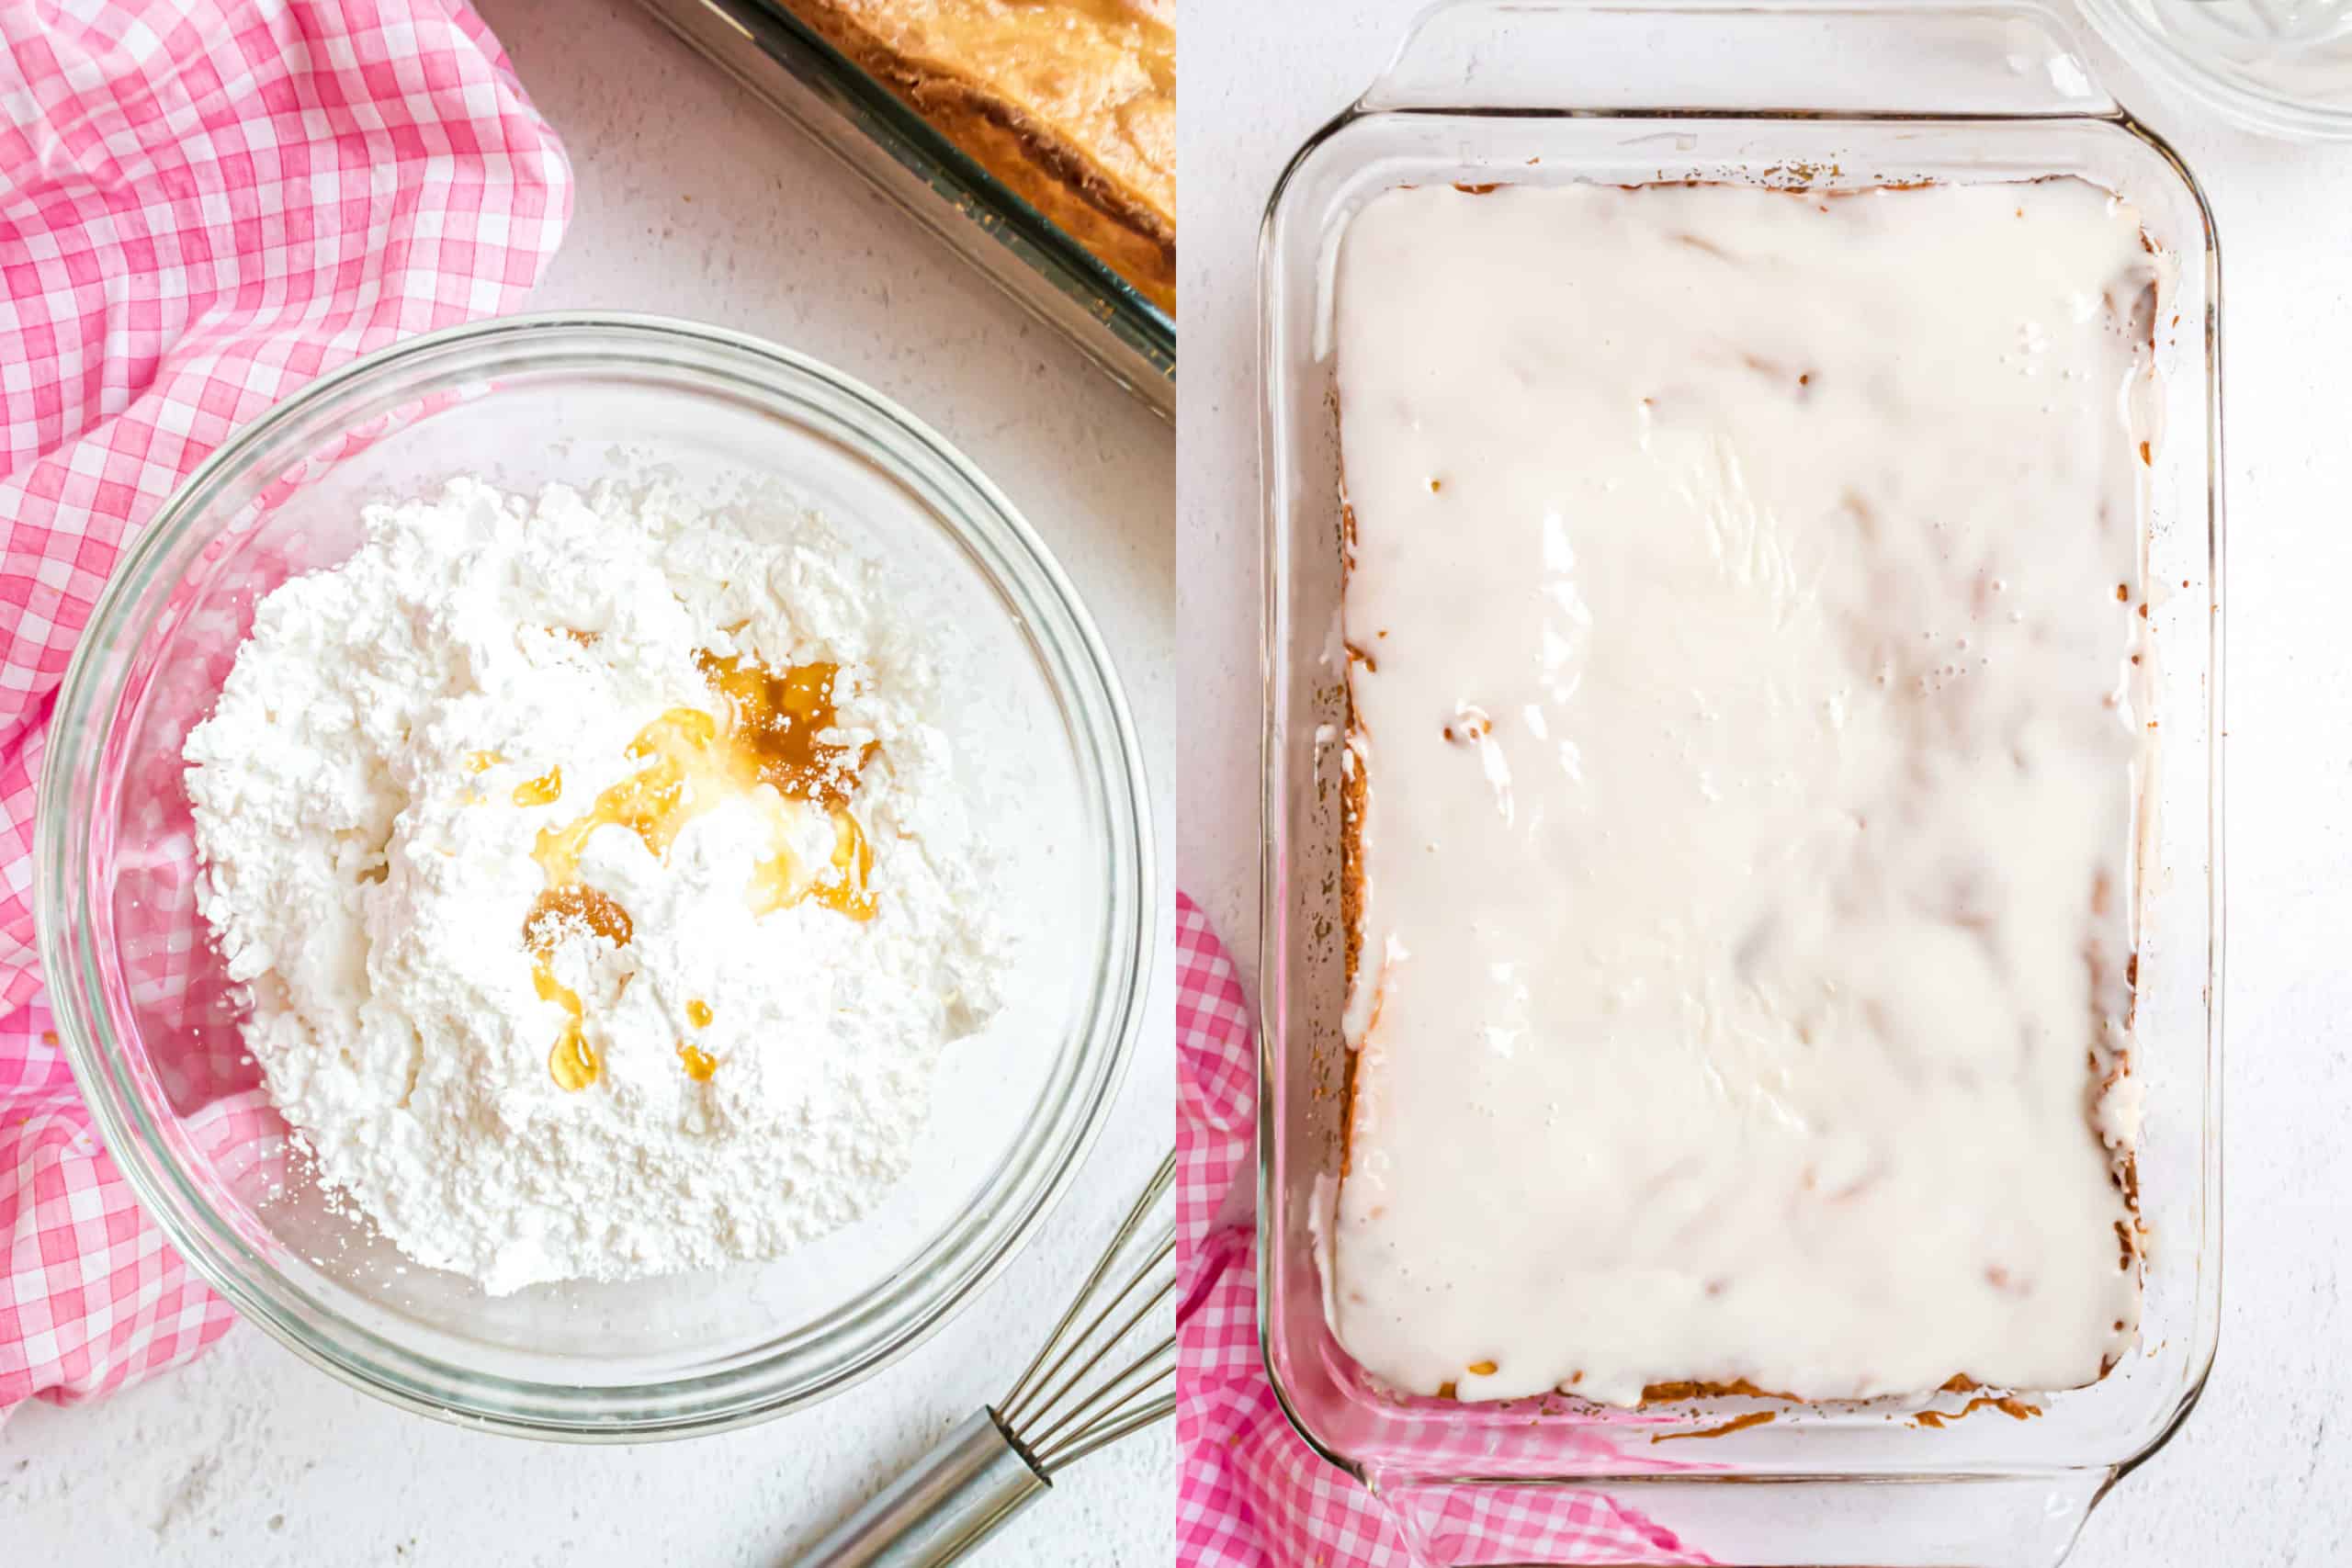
<point x="2243" y="101"/>
<point x="908" y="1301"/>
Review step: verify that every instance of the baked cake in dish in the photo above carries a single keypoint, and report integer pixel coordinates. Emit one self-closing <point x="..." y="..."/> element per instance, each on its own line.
<point x="1745" y="631"/>
<point x="1070" y="103"/>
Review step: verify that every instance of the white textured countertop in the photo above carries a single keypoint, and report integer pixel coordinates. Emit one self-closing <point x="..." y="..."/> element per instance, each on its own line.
<point x="695" y="201"/>
<point x="2262" y="1474"/>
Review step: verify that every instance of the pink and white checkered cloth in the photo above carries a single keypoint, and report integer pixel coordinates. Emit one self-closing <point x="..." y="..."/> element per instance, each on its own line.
<point x="204" y="204"/>
<point x="1250" y="1493"/>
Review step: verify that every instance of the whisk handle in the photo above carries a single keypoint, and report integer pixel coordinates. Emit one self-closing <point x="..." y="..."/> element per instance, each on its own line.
<point x="953" y="1499"/>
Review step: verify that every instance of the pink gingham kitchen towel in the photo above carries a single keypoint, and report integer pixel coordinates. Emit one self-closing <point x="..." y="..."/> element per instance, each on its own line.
<point x="1250" y="1493"/>
<point x="204" y="204"/>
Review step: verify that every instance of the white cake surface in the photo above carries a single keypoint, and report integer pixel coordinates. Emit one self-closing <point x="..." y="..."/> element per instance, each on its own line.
<point x="1744" y="607"/>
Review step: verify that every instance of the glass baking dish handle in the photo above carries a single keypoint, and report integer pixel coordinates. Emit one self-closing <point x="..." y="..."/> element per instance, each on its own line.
<point x="1992" y="1521"/>
<point x="2002" y="58"/>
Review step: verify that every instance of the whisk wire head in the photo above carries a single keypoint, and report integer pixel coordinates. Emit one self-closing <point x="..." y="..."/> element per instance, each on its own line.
<point x="1105" y="1392"/>
<point x="1110" y="1432"/>
<point x="1114" y="1375"/>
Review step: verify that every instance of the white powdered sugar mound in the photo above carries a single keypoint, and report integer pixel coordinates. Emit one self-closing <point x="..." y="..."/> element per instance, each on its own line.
<point x="368" y="873"/>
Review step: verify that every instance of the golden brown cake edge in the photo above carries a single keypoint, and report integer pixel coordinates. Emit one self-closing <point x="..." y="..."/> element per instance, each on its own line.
<point x="1059" y="177"/>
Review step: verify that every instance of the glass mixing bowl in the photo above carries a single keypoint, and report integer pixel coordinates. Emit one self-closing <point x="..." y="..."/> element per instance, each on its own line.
<point x="2280" y="67"/>
<point x="1045" y="745"/>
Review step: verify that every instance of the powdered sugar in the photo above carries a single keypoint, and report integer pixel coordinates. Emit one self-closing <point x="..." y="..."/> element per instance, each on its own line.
<point x="371" y="870"/>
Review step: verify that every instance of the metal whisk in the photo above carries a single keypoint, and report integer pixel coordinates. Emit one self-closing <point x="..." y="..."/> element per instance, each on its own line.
<point x="1088" y="1388"/>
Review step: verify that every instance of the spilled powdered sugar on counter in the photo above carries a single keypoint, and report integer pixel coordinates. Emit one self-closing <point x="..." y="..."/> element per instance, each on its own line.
<point x="375" y="795"/>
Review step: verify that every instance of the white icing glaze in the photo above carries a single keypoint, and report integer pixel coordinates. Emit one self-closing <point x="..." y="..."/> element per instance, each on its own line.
<point x="1737" y="979"/>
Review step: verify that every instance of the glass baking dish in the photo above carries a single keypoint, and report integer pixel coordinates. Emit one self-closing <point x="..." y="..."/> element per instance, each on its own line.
<point x="1055" y="278"/>
<point x="1826" y="96"/>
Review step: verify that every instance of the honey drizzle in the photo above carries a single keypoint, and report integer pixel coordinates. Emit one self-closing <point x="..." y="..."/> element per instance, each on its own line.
<point x="699" y="1062"/>
<point x="577" y="905"/>
<point x="572" y="1060"/>
<point x="845" y="892"/>
<point x="778" y="720"/>
<point x="544" y="790"/>
<point x="653" y="803"/>
<point x="772" y="734"/>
